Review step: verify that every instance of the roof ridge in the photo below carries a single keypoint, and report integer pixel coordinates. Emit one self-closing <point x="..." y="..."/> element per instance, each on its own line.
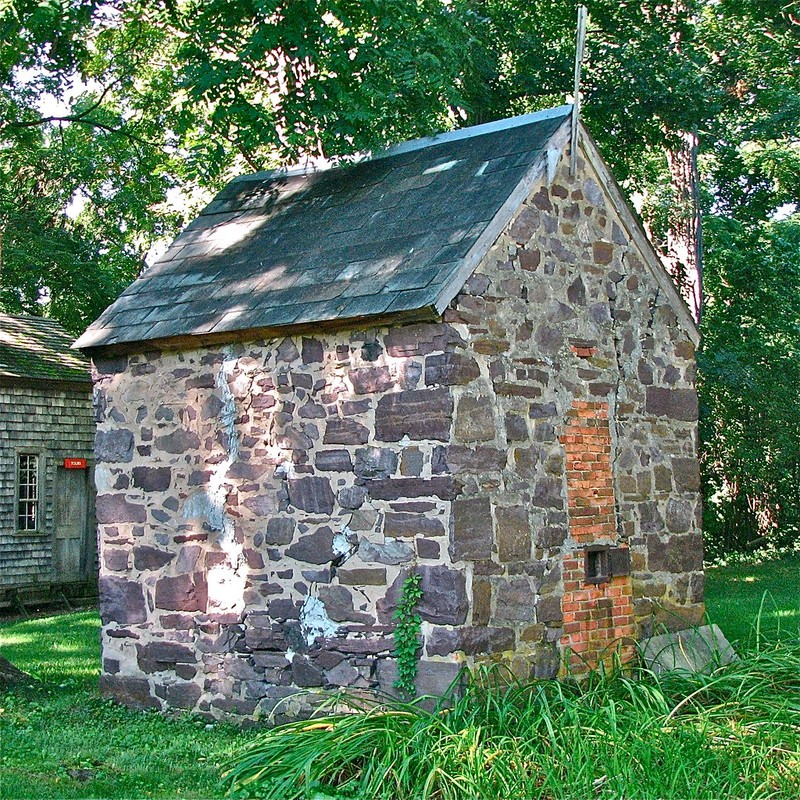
<point x="323" y="165"/>
<point x="474" y="130"/>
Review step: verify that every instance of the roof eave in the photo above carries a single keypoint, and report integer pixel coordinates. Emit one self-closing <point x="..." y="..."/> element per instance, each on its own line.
<point x="427" y="313"/>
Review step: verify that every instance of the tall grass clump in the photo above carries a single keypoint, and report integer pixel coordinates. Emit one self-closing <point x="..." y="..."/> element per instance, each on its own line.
<point x="732" y="733"/>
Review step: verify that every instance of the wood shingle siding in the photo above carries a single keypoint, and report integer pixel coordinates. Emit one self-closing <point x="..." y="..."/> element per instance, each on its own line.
<point x="45" y="410"/>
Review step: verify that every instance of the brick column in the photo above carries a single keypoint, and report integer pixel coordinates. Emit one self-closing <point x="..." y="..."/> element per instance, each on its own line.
<point x="598" y="617"/>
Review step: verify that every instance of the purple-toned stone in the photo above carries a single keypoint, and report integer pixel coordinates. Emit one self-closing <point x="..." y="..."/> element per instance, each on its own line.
<point x="443" y="487"/>
<point x="513" y="533"/>
<point x="159" y="656"/>
<point x="418" y="340"/>
<point x="368" y="380"/>
<point x="312" y="410"/>
<point x="312" y="494"/>
<point x="345" y="431"/>
<point x="352" y="408"/>
<point x="178" y="442"/>
<point x="409" y="525"/>
<point x="680" y="404"/>
<point x="515" y="601"/>
<point x="305" y="673"/>
<point x="411" y="462"/>
<point x="313" y="351"/>
<point x="542" y="410"/>
<point x="473" y="531"/>
<point x="333" y="461"/>
<point x="343" y="674"/>
<point x="338" y="602"/>
<point x="182" y="593"/>
<point x="115" y="559"/>
<point x="182" y="695"/>
<point x="548" y="610"/>
<point x="152" y="479"/>
<point x="418" y="413"/>
<point x="450" y="369"/>
<point x="204" y="381"/>
<point x="427" y="548"/>
<point x="375" y="462"/>
<point x="548" y="493"/>
<point x="280" y="530"/>
<point x="475" y="419"/>
<point x="114" y="508"/>
<point x="516" y="428"/>
<point x="287" y="351"/>
<point x="679" y="515"/>
<point x="470" y="640"/>
<point x="444" y="595"/>
<point x="351" y="497"/>
<point x="576" y="293"/>
<point x="131" y="692"/>
<point x="248" y="470"/>
<point x="687" y="474"/>
<point x="479" y="460"/>
<point x="283" y="608"/>
<point x="146" y="557"/>
<point x="363" y="576"/>
<point x="525" y="224"/>
<point x="113" y="445"/>
<point x="390" y="552"/>
<point x="121" y="601"/>
<point x="679" y="553"/>
<point x="262" y="505"/>
<point x="315" y="548"/>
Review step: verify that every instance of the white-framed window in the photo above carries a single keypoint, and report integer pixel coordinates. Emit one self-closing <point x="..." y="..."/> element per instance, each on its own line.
<point x="28" y="489"/>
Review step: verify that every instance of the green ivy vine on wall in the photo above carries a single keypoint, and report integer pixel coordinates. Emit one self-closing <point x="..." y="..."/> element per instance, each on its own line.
<point x="406" y="634"/>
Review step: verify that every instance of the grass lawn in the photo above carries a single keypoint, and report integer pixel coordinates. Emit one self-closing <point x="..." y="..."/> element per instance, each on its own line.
<point x="752" y="600"/>
<point x="61" y="740"/>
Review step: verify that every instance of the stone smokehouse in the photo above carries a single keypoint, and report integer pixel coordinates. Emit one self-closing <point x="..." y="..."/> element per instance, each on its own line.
<point x="454" y="358"/>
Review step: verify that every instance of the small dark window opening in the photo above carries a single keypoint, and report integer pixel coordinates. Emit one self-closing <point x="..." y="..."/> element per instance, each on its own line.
<point x="27" y="492"/>
<point x="597" y="565"/>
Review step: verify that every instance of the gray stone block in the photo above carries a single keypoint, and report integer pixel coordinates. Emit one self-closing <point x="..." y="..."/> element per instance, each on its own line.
<point x="694" y="650"/>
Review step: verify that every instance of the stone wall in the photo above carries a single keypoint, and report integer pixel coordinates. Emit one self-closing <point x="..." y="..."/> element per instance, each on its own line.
<point x="261" y="504"/>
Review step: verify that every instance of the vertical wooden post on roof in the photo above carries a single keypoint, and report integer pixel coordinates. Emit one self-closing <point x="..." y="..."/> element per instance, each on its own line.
<point x="576" y="108"/>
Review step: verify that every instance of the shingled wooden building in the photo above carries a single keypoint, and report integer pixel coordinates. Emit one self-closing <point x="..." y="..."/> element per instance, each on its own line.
<point x="47" y="527"/>
<point x="455" y="358"/>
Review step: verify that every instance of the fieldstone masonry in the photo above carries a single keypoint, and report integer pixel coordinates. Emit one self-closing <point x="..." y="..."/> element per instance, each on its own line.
<point x="260" y="504"/>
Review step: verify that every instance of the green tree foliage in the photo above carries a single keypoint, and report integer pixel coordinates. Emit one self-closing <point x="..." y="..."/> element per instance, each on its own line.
<point x="749" y="379"/>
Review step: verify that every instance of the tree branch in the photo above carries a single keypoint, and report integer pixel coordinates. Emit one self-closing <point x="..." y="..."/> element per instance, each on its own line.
<point x="80" y="119"/>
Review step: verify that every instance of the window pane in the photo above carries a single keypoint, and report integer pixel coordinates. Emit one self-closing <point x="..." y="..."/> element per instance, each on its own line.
<point x="27" y="492"/>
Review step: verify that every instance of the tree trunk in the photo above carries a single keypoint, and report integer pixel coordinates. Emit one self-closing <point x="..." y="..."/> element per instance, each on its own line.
<point x="684" y="257"/>
<point x="9" y="674"/>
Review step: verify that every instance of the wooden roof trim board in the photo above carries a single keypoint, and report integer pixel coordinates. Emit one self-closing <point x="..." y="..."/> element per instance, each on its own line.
<point x="636" y="233"/>
<point x="191" y="341"/>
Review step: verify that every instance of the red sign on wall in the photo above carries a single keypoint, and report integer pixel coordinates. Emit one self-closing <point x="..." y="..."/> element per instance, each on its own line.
<point x="74" y="463"/>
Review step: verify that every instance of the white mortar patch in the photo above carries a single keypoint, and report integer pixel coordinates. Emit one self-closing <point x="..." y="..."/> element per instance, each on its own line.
<point x="314" y="620"/>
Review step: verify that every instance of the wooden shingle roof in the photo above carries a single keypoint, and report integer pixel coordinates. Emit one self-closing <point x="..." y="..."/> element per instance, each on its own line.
<point x="394" y="235"/>
<point x="35" y="348"/>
